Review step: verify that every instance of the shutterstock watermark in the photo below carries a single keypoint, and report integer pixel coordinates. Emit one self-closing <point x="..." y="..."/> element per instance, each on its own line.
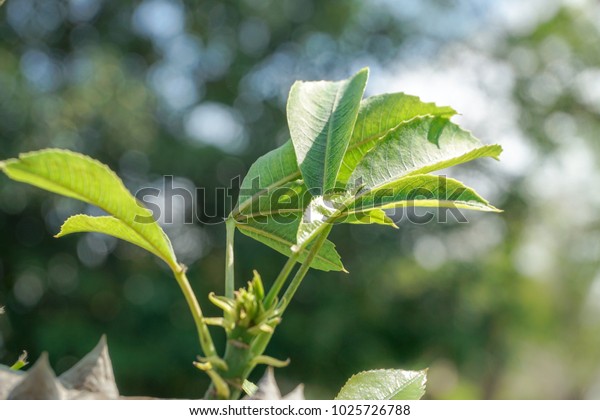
<point x="285" y="204"/>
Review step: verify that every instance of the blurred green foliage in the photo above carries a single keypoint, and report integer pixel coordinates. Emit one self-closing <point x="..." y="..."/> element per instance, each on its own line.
<point x="505" y="307"/>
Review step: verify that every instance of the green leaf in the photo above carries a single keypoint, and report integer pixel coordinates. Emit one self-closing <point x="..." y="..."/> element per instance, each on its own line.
<point x="376" y="117"/>
<point x="367" y="207"/>
<point x="281" y="236"/>
<point x="422" y="191"/>
<point x="278" y="167"/>
<point x="274" y="169"/>
<point x="321" y="116"/>
<point x="375" y="216"/>
<point x="419" y="146"/>
<point x="389" y="384"/>
<point x="81" y="177"/>
<point x="104" y="224"/>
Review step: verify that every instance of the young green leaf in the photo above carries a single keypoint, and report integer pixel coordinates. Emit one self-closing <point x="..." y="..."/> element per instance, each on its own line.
<point x="77" y="176"/>
<point x="376" y="117"/>
<point x="270" y="171"/>
<point x="321" y="116"/>
<point x="108" y="225"/>
<point x="389" y="384"/>
<point x="411" y="191"/>
<point x="422" y="191"/>
<point x="419" y="146"/>
<point x="281" y="236"/>
<point x="367" y="217"/>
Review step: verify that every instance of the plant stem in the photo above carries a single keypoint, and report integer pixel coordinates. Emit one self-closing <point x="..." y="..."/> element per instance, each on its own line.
<point x="229" y="268"/>
<point x="291" y="290"/>
<point x="206" y="341"/>
<point x="281" y="279"/>
<point x="243" y="349"/>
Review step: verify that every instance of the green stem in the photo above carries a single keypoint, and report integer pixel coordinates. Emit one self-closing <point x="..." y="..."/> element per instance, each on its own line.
<point x="291" y="290"/>
<point x="281" y="279"/>
<point x="243" y="350"/>
<point x="229" y="268"/>
<point x="206" y="342"/>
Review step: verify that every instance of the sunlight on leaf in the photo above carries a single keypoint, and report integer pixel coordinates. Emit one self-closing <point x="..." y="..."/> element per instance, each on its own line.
<point x="388" y="384"/>
<point x="422" y="191"/>
<point x="104" y="224"/>
<point x="419" y="146"/>
<point x="376" y="117"/>
<point x="83" y="178"/>
<point x="321" y="116"/>
<point x="270" y="171"/>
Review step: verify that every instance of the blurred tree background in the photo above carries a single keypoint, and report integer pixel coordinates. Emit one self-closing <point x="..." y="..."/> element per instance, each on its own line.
<point x="507" y="306"/>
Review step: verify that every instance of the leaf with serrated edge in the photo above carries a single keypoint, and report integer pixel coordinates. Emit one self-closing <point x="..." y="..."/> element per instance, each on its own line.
<point x="419" y="146"/>
<point x="108" y="225"/>
<point x="368" y="217"/>
<point x="411" y="191"/>
<point x="388" y="384"/>
<point x="377" y="116"/>
<point x="321" y="116"/>
<point x="272" y="170"/>
<point x="422" y="191"/>
<point x="281" y="236"/>
<point x="81" y="177"/>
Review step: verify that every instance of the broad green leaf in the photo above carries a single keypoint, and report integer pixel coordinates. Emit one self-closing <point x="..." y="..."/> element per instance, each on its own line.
<point x="378" y="115"/>
<point x="419" y="146"/>
<point x="422" y="191"/>
<point x="274" y="169"/>
<point x="103" y="224"/>
<point x="281" y="236"/>
<point x="321" y="116"/>
<point x="77" y="176"/>
<point x="388" y="384"/>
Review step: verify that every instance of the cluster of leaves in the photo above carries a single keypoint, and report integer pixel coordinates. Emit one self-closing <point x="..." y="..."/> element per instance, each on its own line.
<point x="348" y="160"/>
